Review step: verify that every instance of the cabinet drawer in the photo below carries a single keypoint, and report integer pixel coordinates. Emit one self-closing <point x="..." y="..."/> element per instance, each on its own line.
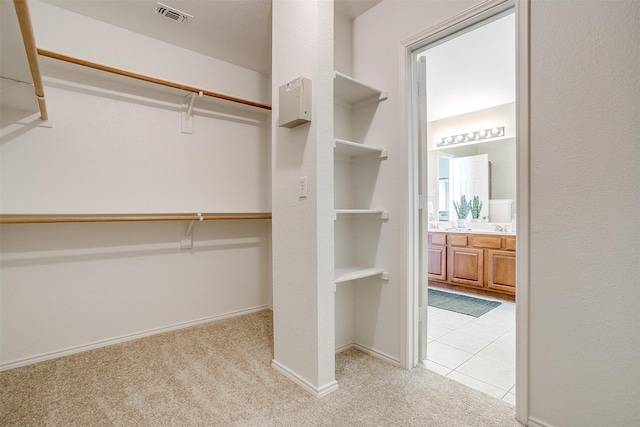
<point x="510" y="243"/>
<point x="458" y="240"/>
<point x="489" y="242"/>
<point x="438" y="239"/>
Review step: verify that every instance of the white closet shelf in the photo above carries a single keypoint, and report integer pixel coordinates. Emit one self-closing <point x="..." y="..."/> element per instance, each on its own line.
<point x="346" y="274"/>
<point x="353" y="212"/>
<point x="355" y="150"/>
<point x="355" y="93"/>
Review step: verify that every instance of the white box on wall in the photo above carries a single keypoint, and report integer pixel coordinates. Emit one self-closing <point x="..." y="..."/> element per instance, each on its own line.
<point x="295" y="103"/>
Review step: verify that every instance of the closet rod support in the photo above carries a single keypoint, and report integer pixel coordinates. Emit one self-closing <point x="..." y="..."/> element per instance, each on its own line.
<point x="192" y="98"/>
<point x="187" y="239"/>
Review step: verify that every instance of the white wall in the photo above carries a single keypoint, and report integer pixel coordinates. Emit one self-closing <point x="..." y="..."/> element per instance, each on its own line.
<point x="96" y="41"/>
<point x="70" y="287"/>
<point x="303" y="291"/>
<point x="102" y="125"/>
<point x="585" y="152"/>
<point x="343" y="54"/>
<point x="377" y="54"/>
<point x="116" y="147"/>
<point x="584" y="307"/>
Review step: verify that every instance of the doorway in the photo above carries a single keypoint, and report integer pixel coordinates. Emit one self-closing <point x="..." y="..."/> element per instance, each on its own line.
<point x="468" y="163"/>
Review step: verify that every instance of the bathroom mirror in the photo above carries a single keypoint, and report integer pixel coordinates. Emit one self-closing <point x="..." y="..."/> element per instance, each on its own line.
<point x="498" y="180"/>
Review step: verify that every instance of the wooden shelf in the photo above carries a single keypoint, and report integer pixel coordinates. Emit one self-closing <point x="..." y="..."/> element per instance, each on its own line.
<point x="347" y="274"/>
<point x="355" y="93"/>
<point x="354" y="150"/>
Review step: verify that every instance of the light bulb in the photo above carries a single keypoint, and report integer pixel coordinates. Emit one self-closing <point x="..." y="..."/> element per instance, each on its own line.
<point x="495" y="131"/>
<point x="482" y="134"/>
<point x="460" y="138"/>
<point x="471" y="135"/>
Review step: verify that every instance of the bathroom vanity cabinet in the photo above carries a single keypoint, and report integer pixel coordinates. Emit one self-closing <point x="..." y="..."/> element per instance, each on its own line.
<point x="475" y="263"/>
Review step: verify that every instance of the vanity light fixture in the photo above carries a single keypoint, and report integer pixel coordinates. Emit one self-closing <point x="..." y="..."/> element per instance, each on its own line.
<point x="472" y="136"/>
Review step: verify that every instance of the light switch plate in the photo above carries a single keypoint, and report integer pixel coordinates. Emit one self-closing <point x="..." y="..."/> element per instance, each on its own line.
<point x="302" y="187"/>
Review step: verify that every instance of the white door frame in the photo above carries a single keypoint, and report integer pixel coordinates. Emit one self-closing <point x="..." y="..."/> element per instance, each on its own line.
<point x="410" y="304"/>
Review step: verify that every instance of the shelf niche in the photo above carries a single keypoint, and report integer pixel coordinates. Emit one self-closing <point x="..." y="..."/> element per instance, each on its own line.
<point x="358" y="216"/>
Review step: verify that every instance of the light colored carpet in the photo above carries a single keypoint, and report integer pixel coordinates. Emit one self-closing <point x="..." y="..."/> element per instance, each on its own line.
<point x="220" y="374"/>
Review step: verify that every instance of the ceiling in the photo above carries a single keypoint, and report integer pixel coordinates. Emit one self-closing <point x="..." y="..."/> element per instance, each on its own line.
<point x="235" y="31"/>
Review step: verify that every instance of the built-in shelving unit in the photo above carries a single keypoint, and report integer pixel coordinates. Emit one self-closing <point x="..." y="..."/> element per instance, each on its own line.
<point x="355" y="174"/>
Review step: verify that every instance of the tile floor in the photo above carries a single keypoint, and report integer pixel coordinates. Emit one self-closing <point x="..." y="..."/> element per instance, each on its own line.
<point x="476" y="351"/>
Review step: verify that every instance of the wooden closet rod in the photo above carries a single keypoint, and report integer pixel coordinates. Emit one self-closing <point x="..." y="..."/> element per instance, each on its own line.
<point x="42" y="219"/>
<point x="26" y="29"/>
<point x="112" y="70"/>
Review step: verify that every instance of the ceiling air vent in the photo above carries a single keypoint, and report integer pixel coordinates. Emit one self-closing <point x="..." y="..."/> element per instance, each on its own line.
<point x="172" y="13"/>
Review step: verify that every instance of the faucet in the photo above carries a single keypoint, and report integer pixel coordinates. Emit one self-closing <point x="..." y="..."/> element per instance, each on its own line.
<point x="500" y="228"/>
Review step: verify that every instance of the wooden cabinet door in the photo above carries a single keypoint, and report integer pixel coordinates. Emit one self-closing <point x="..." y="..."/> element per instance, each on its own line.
<point x="501" y="271"/>
<point x="437" y="262"/>
<point x="466" y="266"/>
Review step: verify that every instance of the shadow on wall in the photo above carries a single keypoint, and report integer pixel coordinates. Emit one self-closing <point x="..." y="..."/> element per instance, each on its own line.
<point x="26" y="245"/>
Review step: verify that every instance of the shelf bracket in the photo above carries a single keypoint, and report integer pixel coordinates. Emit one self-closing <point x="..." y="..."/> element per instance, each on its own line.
<point x="187" y="237"/>
<point x="187" y="112"/>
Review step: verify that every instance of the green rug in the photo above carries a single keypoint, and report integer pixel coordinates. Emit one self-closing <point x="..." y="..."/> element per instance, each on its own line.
<point x="475" y="307"/>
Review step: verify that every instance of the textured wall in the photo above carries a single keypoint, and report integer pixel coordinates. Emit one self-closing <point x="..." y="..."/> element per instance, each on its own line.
<point x="378" y="53"/>
<point x="93" y="40"/>
<point x="303" y="292"/>
<point x="585" y="152"/>
<point x="70" y="287"/>
<point x="115" y="147"/>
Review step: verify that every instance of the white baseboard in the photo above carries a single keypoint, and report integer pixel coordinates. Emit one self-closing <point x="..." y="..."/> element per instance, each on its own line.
<point x="306" y="385"/>
<point x="104" y="343"/>
<point x="370" y="351"/>
<point x="533" y="422"/>
<point x="344" y="348"/>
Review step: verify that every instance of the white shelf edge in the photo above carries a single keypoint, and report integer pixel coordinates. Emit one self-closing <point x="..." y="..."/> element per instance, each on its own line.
<point x="357" y="82"/>
<point x="367" y="94"/>
<point x="348" y="212"/>
<point x="354" y="149"/>
<point x="347" y="274"/>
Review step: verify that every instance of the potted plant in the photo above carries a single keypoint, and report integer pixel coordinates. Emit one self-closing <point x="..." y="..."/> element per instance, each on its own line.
<point x="476" y="208"/>
<point x="462" y="210"/>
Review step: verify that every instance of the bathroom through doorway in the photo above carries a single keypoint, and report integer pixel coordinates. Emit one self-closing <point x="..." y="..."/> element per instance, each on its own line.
<point x="468" y="164"/>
